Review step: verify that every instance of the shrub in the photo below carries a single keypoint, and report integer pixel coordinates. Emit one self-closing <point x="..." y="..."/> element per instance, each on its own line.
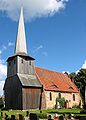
<point x="76" y="106"/>
<point x="1" y="102"/>
<point x="42" y="115"/>
<point x="61" y="101"/>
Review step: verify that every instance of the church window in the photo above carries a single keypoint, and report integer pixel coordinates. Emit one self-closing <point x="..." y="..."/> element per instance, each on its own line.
<point x="14" y="61"/>
<point x="30" y="63"/>
<point x="50" y="96"/>
<point x="9" y="63"/>
<point x="73" y="97"/>
<point x="59" y="95"/>
<point x="22" y="61"/>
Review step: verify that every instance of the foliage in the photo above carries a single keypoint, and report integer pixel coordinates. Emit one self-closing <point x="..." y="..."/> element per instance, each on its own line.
<point x="72" y="76"/>
<point x="80" y="81"/>
<point x="76" y="106"/>
<point x="61" y="101"/>
<point x="0" y="115"/>
<point x="42" y="115"/>
<point x="63" y="110"/>
<point x="1" y="102"/>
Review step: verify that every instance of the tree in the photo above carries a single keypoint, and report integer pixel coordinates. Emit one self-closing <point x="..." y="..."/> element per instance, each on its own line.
<point x="61" y="101"/>
<point x="1" y="102"/>
<point x="80" y="81"/>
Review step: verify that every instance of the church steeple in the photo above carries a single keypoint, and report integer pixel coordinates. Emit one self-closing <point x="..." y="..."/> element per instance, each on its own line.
<point x="20" y="47"/>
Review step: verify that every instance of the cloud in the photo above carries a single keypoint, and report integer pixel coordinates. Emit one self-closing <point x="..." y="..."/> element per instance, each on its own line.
<point x="3" y="73"/>
<point x="1" y="87"/>
<point x="10" y="44"/>
<point x="37" y="49"/>
<point x="0" y="52"/>
<point x="3" y="70"/>
<point x="84" y="65"/>
<point x="32" y="8"/>
<point x="3" y="47"/>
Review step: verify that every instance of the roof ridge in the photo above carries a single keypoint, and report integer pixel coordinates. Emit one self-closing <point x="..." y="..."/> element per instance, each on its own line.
<point x="49" y="70"/>
<point x="50" y="78"/>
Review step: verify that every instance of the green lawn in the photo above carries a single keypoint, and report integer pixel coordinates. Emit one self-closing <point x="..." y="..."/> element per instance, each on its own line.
<point x="58" y="111"/>
<point x="73" y="111"/>
<point x="0" y="115"/>
<point x="44" y="113"/>
<point x="14" y="112"/>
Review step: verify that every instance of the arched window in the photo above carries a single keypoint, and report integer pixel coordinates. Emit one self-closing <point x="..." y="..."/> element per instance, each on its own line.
<point x="22" y="61"/>
<point x="30" y="63"/>
<point x="73" y="97"/>
<point x="50" y="96"/>
<point x="14" y="61"/>
<point x="59" y="95"/>
<point x="9" y="63"/>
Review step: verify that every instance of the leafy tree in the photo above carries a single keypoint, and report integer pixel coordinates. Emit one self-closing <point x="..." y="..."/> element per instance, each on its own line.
<point x="1" y="102"/>
<point x="72" y="75"/>
<point x="80" y="81"/>
<point x="61" y="101"/>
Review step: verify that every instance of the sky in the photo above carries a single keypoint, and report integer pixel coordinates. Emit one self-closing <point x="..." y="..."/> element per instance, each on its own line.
<point x="55" y="33"/>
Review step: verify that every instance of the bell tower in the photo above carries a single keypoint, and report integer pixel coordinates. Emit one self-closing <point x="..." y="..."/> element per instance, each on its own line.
<point x="20" y="62"/>
<point x="22" y="84"/>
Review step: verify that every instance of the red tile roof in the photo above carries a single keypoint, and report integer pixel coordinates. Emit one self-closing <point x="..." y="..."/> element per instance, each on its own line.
<point x="55" y="81"/>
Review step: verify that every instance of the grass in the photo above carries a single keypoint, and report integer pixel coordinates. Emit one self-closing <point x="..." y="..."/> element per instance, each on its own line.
<point x="43" y="113"/>
<point x="14" y="112"/>
<point x="0" y="116"/>
<point x="60" y="111"/>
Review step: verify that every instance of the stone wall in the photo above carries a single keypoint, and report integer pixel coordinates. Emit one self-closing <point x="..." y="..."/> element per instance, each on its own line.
<point x="51" y="102"/>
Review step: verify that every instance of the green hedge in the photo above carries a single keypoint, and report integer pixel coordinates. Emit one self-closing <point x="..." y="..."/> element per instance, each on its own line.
<point x="0" y="116"/>
<point x="42" y="115"/>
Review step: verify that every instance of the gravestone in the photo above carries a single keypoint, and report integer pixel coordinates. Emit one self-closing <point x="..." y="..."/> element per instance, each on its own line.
<point x="13" y="117"/>
<point x="61" y="118"/>
<point x="33" y="116"/>
<point x="27" y="113"/>
<point x="50" y="117"/>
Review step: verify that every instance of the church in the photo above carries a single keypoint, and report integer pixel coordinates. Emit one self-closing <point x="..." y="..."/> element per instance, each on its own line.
<point x="31" y="87"/>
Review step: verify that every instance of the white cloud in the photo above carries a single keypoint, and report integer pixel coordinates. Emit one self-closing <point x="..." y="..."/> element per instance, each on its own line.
<point x="84" y="65"/>
<point x="1" y="87"/>
<point x="10" y="44"/>
<point x="32" y="8"/>
<point x="3" y="73"/>
<point x="4" y="47"/>
<point x="0" y="52"/>
<point x="38" y="48"/>
<point x="3" y="70"/>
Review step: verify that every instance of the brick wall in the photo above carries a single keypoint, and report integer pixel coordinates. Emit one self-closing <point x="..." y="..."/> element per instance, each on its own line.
<point x="48" y="102"/>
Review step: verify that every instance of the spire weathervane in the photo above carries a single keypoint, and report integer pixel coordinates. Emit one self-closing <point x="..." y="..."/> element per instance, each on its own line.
<point x="20" y="46"/>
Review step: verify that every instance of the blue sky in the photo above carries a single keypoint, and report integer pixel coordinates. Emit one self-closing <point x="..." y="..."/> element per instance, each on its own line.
<point x="57" y="42"/>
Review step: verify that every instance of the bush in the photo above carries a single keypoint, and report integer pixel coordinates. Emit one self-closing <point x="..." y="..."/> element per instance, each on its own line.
<point x="1" y="103"/>
<point x="42" y="115"/>
<point x="61" y="101"/>
<point x="76" y="106"/>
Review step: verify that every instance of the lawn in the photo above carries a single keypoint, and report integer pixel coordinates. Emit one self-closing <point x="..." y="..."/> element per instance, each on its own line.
<point x="60" y="111"/>
<point x="0" y="115"/>
<point x="44" y="113"/>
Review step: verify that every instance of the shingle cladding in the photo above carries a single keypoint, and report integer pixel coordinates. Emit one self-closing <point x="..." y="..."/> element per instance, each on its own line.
<point x="21" y="55"/>
<point x="55" y="81"/>
<point x="29" y="80"/>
